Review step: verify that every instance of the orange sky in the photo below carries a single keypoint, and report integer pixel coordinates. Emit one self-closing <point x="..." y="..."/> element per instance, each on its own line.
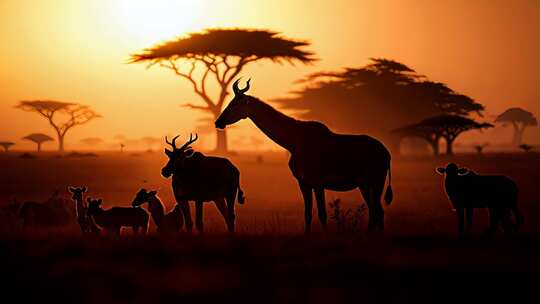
<point x="76" y="51"/>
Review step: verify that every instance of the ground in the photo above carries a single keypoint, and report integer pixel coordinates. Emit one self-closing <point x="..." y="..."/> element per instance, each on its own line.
<point x="418" y="259"/>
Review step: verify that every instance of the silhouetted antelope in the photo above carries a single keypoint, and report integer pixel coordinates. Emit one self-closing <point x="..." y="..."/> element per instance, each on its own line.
<point x="55" y="211"/>
<point x="467" y="190"/>
<point x="117" y="217"/>
<point x="165" y="223"/>
<point x="81" y="209"/>
<point x="200" y="178"/>
<point x="320" y="159"/>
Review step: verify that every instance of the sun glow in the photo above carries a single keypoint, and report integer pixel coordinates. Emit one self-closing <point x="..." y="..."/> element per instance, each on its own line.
<point x="150" y="21"/>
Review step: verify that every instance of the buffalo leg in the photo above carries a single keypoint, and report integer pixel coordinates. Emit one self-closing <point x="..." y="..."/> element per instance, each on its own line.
<point x="184" y="205"/>
<point x="307" y="194"/>
<point x="199" y="216"/>
<point x="508" y="226"/>
<point x="222" y="207"/>
<point x="321" y="207"/>
<point x="231" y="216"/>
<point x="376" y="194"/>
<point x="469" y="215"/>
<point x="461" y="222"/>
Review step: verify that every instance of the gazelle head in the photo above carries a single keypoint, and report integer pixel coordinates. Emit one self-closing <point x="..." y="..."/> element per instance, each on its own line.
<point x="237" y="108"/>
<point x="143" y="196"/>
<point x="177" y="156"/>
<point x="94" y="205"/>
<point x="77" y="193"/>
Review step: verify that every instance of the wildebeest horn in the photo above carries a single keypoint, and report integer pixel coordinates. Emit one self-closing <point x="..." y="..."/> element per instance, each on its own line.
<point x="173" y="143"/>
<point x="190" y="141"/>
<point x="237" y="90"/>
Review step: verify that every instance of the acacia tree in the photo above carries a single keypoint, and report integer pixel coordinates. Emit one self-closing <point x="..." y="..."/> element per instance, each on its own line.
<point x="38" y="139"/>
<point x="376" y="98"/>
<point x="427" y="133"/>
<point x="219" y="55"/>
<point x="6" y="145"/>
<point x="520" y="119"/>
<point x="76" y="114"/>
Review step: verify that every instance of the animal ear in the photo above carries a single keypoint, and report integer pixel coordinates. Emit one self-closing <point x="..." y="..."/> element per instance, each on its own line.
<point x="152" y="193"/>
<point x="462" y="171"/>
<point x="168" y="152"/>
<point x="441" y="170"/>
<point x="84" y="189"/>
<point x="100" y="201"/>
<point x="71" y="189"/>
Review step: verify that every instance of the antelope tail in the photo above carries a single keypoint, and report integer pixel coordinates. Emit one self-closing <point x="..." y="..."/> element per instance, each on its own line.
<point x="241" y="197"/>
<point x="389" y="194"/>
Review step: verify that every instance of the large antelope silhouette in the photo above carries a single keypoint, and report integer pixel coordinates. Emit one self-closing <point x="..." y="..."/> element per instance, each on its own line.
<point x="200" y="178"/>
<point x="320" y="159"/>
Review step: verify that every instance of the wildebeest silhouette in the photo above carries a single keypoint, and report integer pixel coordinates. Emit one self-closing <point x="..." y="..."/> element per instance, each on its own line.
<point x="166" y="223"/>
<point x="86" y="225"/>
<point x="320" y="159"/>
<point x="200" y="178"/>
<point x="467" y="190"/>
<point x="54" y="212"/>
<point x="113" y="219"/>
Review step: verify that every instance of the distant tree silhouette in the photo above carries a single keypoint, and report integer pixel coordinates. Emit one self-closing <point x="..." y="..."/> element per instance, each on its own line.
<point x="444" y="126"/>
<point x="222" y="53"/>
<point x="480" y="148"/>
<point x="520" y="119"/>
<point x="38" y="139"/>
<point x="150" y="141"/>
<point x="77" y="114"/>
<point x="525" y="147"/>
<point x="375" y="99"/>
<point x="6" y="145"/>
<point x="92" y="141"/>
<point x="121" y="139"/>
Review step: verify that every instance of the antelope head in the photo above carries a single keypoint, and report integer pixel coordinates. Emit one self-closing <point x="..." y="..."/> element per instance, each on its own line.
<point x="94" y="206"/>
<point x="237" y="108"/>
<point x="177" y="156"/>
<point x="143" y="196"/>
<point x="77" y="193"/>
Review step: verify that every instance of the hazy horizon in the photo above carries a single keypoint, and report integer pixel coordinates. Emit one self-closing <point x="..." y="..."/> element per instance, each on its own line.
<point x="77" y="51"/>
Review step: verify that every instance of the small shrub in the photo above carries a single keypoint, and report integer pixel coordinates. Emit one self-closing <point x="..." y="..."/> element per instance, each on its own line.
<point x="347" y="221"/>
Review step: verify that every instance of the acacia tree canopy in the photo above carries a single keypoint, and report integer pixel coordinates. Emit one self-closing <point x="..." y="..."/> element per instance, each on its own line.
<point x="219" y="55"/>
<point x="375" y="99"/>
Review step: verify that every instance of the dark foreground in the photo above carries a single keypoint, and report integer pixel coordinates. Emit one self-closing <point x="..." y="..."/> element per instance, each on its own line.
<point x="268" y="269"/>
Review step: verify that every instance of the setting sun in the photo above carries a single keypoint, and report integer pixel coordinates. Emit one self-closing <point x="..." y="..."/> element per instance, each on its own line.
<point x="151" y="21"/>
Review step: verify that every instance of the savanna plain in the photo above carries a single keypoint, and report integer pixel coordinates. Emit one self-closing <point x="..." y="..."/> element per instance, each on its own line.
<point x="269" y="259"/>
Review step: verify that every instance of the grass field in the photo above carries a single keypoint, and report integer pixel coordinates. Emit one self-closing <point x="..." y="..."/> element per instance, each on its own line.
<point x="418" y="259"/>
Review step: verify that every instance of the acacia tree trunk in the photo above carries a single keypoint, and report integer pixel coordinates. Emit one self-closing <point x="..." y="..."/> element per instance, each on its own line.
<point x="449" y="146"/>
<point x="520" y="135"/>
<point x="60" y="143"/>
<point x="434" y="143"/>
<point x="38" y="147"/>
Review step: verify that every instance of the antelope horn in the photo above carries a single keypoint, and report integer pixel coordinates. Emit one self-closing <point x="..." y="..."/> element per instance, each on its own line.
<point x="173" y="143"/>
<point x="190" y="141"/>
<point x="235" y="88"/>
<point x="246" y="88"/>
